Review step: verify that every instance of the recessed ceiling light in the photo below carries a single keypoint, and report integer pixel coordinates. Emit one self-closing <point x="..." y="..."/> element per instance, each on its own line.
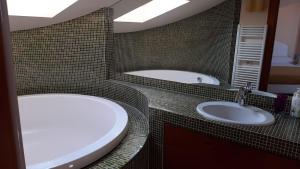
<point x="37" y="8"/>
<point x="150" y="10"/>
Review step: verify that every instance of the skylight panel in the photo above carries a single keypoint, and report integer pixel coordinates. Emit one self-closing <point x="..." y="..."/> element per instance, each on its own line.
<point x="38" y="8"/>
<point x="151" y="10"/>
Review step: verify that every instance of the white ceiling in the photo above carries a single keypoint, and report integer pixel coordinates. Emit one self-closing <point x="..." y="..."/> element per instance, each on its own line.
<point x="80" y="8"/>
<point x="185" y="11"/>
<point x="83" y="7"/>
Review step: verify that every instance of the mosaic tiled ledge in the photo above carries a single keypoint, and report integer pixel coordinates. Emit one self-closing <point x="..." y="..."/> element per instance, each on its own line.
<point x="203" y="90"/>
<point x="281" y="138"/>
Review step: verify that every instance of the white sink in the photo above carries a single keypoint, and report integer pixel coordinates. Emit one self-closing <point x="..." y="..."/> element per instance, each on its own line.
<point x="230" y="112"/>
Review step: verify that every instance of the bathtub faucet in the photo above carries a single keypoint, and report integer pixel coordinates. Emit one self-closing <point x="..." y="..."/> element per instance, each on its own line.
<point x="199" y="79"/>
<point x="243" y="93"/>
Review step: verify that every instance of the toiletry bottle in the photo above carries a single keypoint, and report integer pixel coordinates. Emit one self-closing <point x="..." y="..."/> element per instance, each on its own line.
<point x="295" y="109"/>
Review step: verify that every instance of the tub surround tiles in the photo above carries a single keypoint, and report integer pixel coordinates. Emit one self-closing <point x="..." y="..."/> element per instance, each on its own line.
<point x="124" y="94"/>
<point x="132" y="152"/>
<point x="195" y="44"/>
<point x="282" y="138"/>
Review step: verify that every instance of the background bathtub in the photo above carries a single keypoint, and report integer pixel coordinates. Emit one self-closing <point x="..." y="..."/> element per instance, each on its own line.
<point x="177" y="76"/>
<point x="69" y="131"/>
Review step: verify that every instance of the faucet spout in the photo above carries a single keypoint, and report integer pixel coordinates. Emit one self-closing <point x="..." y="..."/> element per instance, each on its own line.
<point x="243" y="93"/>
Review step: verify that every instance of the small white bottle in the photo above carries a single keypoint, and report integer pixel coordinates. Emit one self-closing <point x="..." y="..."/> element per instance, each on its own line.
<point x="295" y="109"/>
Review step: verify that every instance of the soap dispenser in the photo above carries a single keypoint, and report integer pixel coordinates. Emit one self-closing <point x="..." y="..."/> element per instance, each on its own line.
<point x="295" y="109"/>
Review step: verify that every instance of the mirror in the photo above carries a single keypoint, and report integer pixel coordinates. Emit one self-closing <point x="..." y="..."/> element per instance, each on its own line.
<point x="285" y="69"/>
<point x="191" y="44"/>
<point x="195" y="44"/>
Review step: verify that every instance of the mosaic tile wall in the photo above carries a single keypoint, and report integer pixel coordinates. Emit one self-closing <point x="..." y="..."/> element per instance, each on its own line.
<point x="73" y="53"/>
<point x="198" y="44"/>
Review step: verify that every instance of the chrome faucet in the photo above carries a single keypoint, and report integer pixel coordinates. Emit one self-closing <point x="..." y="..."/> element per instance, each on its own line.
<point x="243" y="93"/>
<point x="199" y="79"/>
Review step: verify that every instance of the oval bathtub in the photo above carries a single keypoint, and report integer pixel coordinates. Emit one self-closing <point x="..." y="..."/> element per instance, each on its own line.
<point x="69" y="131"/>
<point x="177" y="76"/>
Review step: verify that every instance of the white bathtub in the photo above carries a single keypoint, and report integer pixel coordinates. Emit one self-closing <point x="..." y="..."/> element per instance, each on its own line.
<point x="69" y="131"/>
<point x="177" y="76"/>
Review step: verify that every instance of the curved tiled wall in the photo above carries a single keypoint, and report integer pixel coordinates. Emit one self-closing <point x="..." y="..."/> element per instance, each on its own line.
<point x="74" y="53"/>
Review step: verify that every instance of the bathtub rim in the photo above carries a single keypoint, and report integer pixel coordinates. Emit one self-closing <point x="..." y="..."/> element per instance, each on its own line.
<point x="106" y="143"/>
<point x="214" y="80"/>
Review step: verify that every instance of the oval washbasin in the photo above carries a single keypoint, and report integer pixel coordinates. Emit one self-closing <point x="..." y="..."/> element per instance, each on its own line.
<point x="69" y="131"/>
<point x="230" y="112"/>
